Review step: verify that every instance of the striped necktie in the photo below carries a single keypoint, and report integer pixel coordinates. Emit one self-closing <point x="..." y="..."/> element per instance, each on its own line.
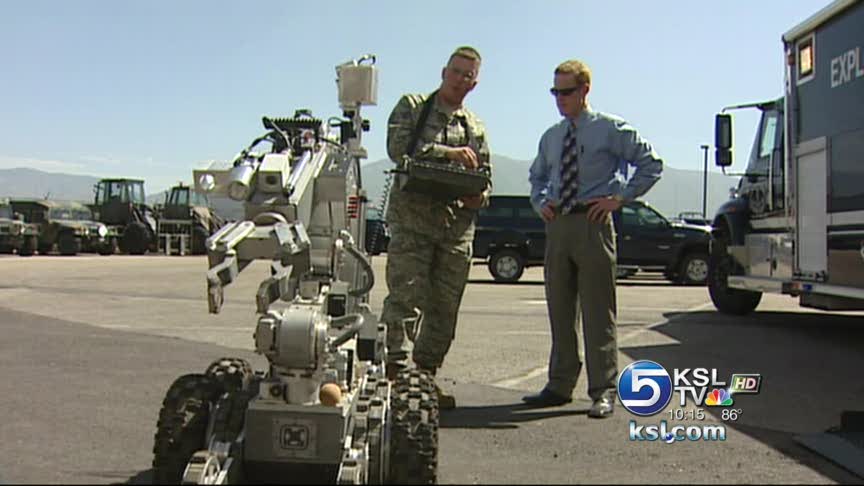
<point x="569" y="171"/>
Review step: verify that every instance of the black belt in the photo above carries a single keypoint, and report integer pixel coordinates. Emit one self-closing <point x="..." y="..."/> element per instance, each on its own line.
<point x="580" y="208"/>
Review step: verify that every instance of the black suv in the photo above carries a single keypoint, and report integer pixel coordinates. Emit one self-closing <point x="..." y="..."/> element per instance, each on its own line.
<point x="511" y="236"/>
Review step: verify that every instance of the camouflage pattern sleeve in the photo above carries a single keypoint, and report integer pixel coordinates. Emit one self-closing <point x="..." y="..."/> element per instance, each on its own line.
<point x="483" y="154"/>
<point x="401" y="124"/>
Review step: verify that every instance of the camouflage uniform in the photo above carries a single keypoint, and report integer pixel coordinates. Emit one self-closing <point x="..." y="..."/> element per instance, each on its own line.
<point x="429" y="254"/>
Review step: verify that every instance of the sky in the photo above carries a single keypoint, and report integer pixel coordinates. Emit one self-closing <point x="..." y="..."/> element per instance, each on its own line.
<point x="156" y="89"/>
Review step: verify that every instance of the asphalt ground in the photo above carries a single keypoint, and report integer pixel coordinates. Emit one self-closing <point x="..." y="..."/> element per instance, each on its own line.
<point x="90" y="345"/>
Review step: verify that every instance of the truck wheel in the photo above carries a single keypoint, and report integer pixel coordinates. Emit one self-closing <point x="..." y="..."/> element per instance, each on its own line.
<point x="136" y="239"/>
<point x="109" y="247"/>
<point x="720" y="266"/>
<point x="28" y="247"/>
<point x="182" y="426"/>
<point x="693" y="269"/>
<point x="68" y="244"/>
<point x="199" y="240"/>
<point x="414" y="429"/>
<point x="506" y="266"/>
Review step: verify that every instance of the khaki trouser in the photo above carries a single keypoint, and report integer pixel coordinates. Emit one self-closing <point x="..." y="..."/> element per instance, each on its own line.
<point x="580" y="269"/>
<point x="430" y="273"/>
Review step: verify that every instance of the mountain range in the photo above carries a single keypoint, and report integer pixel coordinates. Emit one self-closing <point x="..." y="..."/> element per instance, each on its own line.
<point x="677" y="191"/>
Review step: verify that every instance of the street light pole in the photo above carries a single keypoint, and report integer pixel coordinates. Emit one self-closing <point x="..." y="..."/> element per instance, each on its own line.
<point x="705" y="183"/>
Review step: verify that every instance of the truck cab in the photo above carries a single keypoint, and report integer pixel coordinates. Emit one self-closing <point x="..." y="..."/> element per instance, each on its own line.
<point x="185" y="221"/>
<point x="762" y="186"/>
<point x="120" y="204"/>
<point x="16" y="235"/>
<point x="796" y="223"/>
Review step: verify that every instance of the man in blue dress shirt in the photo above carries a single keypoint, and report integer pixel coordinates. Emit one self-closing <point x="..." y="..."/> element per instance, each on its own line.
<point x="574" y="188"/>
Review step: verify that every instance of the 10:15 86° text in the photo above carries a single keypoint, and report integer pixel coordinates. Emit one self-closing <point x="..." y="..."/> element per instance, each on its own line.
<point x="684" y="414"/>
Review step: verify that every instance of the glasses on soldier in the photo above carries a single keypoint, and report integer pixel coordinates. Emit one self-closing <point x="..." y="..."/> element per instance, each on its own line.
<point x="469" y="75"/>
<point x="564" y="91"/>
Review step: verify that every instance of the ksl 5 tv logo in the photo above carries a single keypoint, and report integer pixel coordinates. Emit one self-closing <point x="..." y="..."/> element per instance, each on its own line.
<point x="645" y="387"/>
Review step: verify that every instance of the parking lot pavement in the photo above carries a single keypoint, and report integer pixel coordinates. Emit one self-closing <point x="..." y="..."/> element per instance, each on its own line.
<point x="92" y="344"/>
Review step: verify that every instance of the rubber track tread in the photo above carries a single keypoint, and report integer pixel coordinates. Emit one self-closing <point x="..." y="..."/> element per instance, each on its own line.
<point x="231" y="374"/>
<point x="182" y="426"/>
<point x="414" y="429"/>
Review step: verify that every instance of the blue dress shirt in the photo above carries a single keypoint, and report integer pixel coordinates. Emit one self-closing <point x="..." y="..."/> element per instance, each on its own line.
<point x="604" y="142"/>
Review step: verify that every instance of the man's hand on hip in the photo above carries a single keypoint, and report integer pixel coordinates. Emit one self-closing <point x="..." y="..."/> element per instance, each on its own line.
<point x="600" y="207"/>
<point x="548" y="212"/>
<point x="463" y="155"/>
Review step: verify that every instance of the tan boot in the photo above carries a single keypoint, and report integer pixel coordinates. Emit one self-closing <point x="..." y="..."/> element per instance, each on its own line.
<point x="446" y="401"/>
<point x="393" y="370"/>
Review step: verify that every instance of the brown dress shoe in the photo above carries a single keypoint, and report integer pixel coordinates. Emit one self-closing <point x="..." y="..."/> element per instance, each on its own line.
<point x="546" y="398"/>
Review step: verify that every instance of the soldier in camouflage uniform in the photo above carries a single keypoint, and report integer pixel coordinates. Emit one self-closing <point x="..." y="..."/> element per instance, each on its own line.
<point x="429" y="254"/>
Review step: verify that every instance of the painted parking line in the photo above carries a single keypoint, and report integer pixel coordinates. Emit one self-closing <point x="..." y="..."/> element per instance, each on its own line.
<point x="623" y="339"/>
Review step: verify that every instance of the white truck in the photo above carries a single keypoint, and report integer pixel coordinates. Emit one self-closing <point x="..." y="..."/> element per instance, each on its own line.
<point x="796" y="223"/>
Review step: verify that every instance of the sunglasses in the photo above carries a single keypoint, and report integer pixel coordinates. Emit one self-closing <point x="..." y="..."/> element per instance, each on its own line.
<point x="564" y="91"/>
<point x="468" y="75"/>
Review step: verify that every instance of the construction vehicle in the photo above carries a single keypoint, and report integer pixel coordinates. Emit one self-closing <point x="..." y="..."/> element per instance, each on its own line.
<point x="185" y="221"/>
<point x="796" y="224"/>
<point x="323" y="411"/>
<point x="120" y="204"/>
<point x="16" y="235"/>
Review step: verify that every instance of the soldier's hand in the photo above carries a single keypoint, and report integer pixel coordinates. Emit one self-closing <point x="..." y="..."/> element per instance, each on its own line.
<point x="463" y="155"/>
<point x="548" y="212"/>
<point x="472" y="202"/>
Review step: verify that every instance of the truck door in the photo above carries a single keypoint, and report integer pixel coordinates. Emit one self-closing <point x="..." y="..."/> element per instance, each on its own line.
<point x="645" y="237"/>
<point x="763" y="185"/>
<point x="811" y="218"/>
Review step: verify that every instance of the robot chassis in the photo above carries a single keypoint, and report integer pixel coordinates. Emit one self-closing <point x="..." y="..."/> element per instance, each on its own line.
<point x="323" y="411"/>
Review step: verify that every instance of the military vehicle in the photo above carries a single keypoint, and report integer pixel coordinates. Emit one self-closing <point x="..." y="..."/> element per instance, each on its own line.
<point x="66" y="225"/>
<point x="15" y="234"/>
<point x="323" y="411"/>
<point x="796" y="223"/>
<point x="185" y="221"/>
<point x="120" y="204"/>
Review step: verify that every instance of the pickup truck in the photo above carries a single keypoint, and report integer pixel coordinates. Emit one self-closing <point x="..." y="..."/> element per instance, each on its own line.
<point x="510" y="237"/>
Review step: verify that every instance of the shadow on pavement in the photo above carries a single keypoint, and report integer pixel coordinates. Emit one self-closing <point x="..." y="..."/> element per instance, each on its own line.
<point x="639" y="281"/>
<point x="143" y="477"/>
<point x="491" y="281"/>
<point x="651" y="283"/>
<point x="503" y="416"/>
<point x="810" y="365"/>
